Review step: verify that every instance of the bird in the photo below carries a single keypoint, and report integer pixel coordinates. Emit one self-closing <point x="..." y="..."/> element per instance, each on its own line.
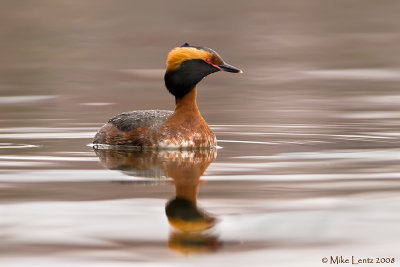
<point x="182" y="128"/>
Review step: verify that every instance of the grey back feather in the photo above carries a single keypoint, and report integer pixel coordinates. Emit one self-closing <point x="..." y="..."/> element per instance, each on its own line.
<point x="153" y="119"/>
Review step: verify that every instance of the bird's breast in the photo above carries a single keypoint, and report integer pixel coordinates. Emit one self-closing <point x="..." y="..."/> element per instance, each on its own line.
<point x="189" y="132"/>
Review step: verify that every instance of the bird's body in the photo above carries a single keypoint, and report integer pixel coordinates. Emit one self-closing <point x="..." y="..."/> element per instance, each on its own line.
<point x="182" y="128"/>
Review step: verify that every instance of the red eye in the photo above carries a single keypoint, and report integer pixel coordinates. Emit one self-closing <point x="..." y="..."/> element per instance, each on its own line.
<point x="208" y="60"/>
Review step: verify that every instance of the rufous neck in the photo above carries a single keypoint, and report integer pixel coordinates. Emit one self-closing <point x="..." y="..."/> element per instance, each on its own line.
<point x="187" y="102"/>
<point x="187" y="191"/>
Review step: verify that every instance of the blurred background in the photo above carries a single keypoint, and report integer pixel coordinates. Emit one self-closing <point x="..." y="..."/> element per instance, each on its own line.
<point x="309" y="132"/>
<point x="69" y="56"/>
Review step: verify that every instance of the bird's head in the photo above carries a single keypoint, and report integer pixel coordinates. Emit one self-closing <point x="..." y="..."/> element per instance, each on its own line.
<point x="187" y="65"/>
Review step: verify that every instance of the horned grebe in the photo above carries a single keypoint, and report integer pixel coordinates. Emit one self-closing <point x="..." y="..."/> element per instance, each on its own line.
<point x="182" y="128"/>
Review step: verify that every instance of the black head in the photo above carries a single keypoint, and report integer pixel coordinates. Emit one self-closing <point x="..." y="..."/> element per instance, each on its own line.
<point x="187" y="65"/>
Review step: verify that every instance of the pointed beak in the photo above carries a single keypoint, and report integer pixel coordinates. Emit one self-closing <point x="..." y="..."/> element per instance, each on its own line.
<point x="229" y="68"/>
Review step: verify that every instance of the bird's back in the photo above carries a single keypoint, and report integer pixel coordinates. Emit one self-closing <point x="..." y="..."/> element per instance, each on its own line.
<point x="135" y="128"/>
<point x="129" y="121"/>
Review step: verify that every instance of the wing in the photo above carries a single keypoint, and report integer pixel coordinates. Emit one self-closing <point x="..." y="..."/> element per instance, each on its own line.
<point x="137" y="128"/>
<point x="129" y="121"/>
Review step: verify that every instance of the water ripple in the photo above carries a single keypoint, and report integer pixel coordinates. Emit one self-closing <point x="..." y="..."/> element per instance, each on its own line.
<point x="13" y="145"/>
<point x="24" y="99"/>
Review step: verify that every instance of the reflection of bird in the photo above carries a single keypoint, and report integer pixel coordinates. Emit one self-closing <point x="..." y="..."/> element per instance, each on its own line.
<point x="185" y="167"/>
<point x="193" y="242"/>
<point x="189" y="222"/>
<point x="183" y="128"/>
<point x="184" y="215"/>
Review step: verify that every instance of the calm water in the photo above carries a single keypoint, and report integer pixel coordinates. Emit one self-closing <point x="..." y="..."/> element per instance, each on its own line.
<point x="309" y="136"/>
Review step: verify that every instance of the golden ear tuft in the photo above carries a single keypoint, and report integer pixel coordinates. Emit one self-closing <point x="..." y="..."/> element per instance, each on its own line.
<point x="183" y="53"/>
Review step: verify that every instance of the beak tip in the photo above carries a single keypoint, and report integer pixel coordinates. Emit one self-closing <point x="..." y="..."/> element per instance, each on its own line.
<point x="229" y="68"/>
